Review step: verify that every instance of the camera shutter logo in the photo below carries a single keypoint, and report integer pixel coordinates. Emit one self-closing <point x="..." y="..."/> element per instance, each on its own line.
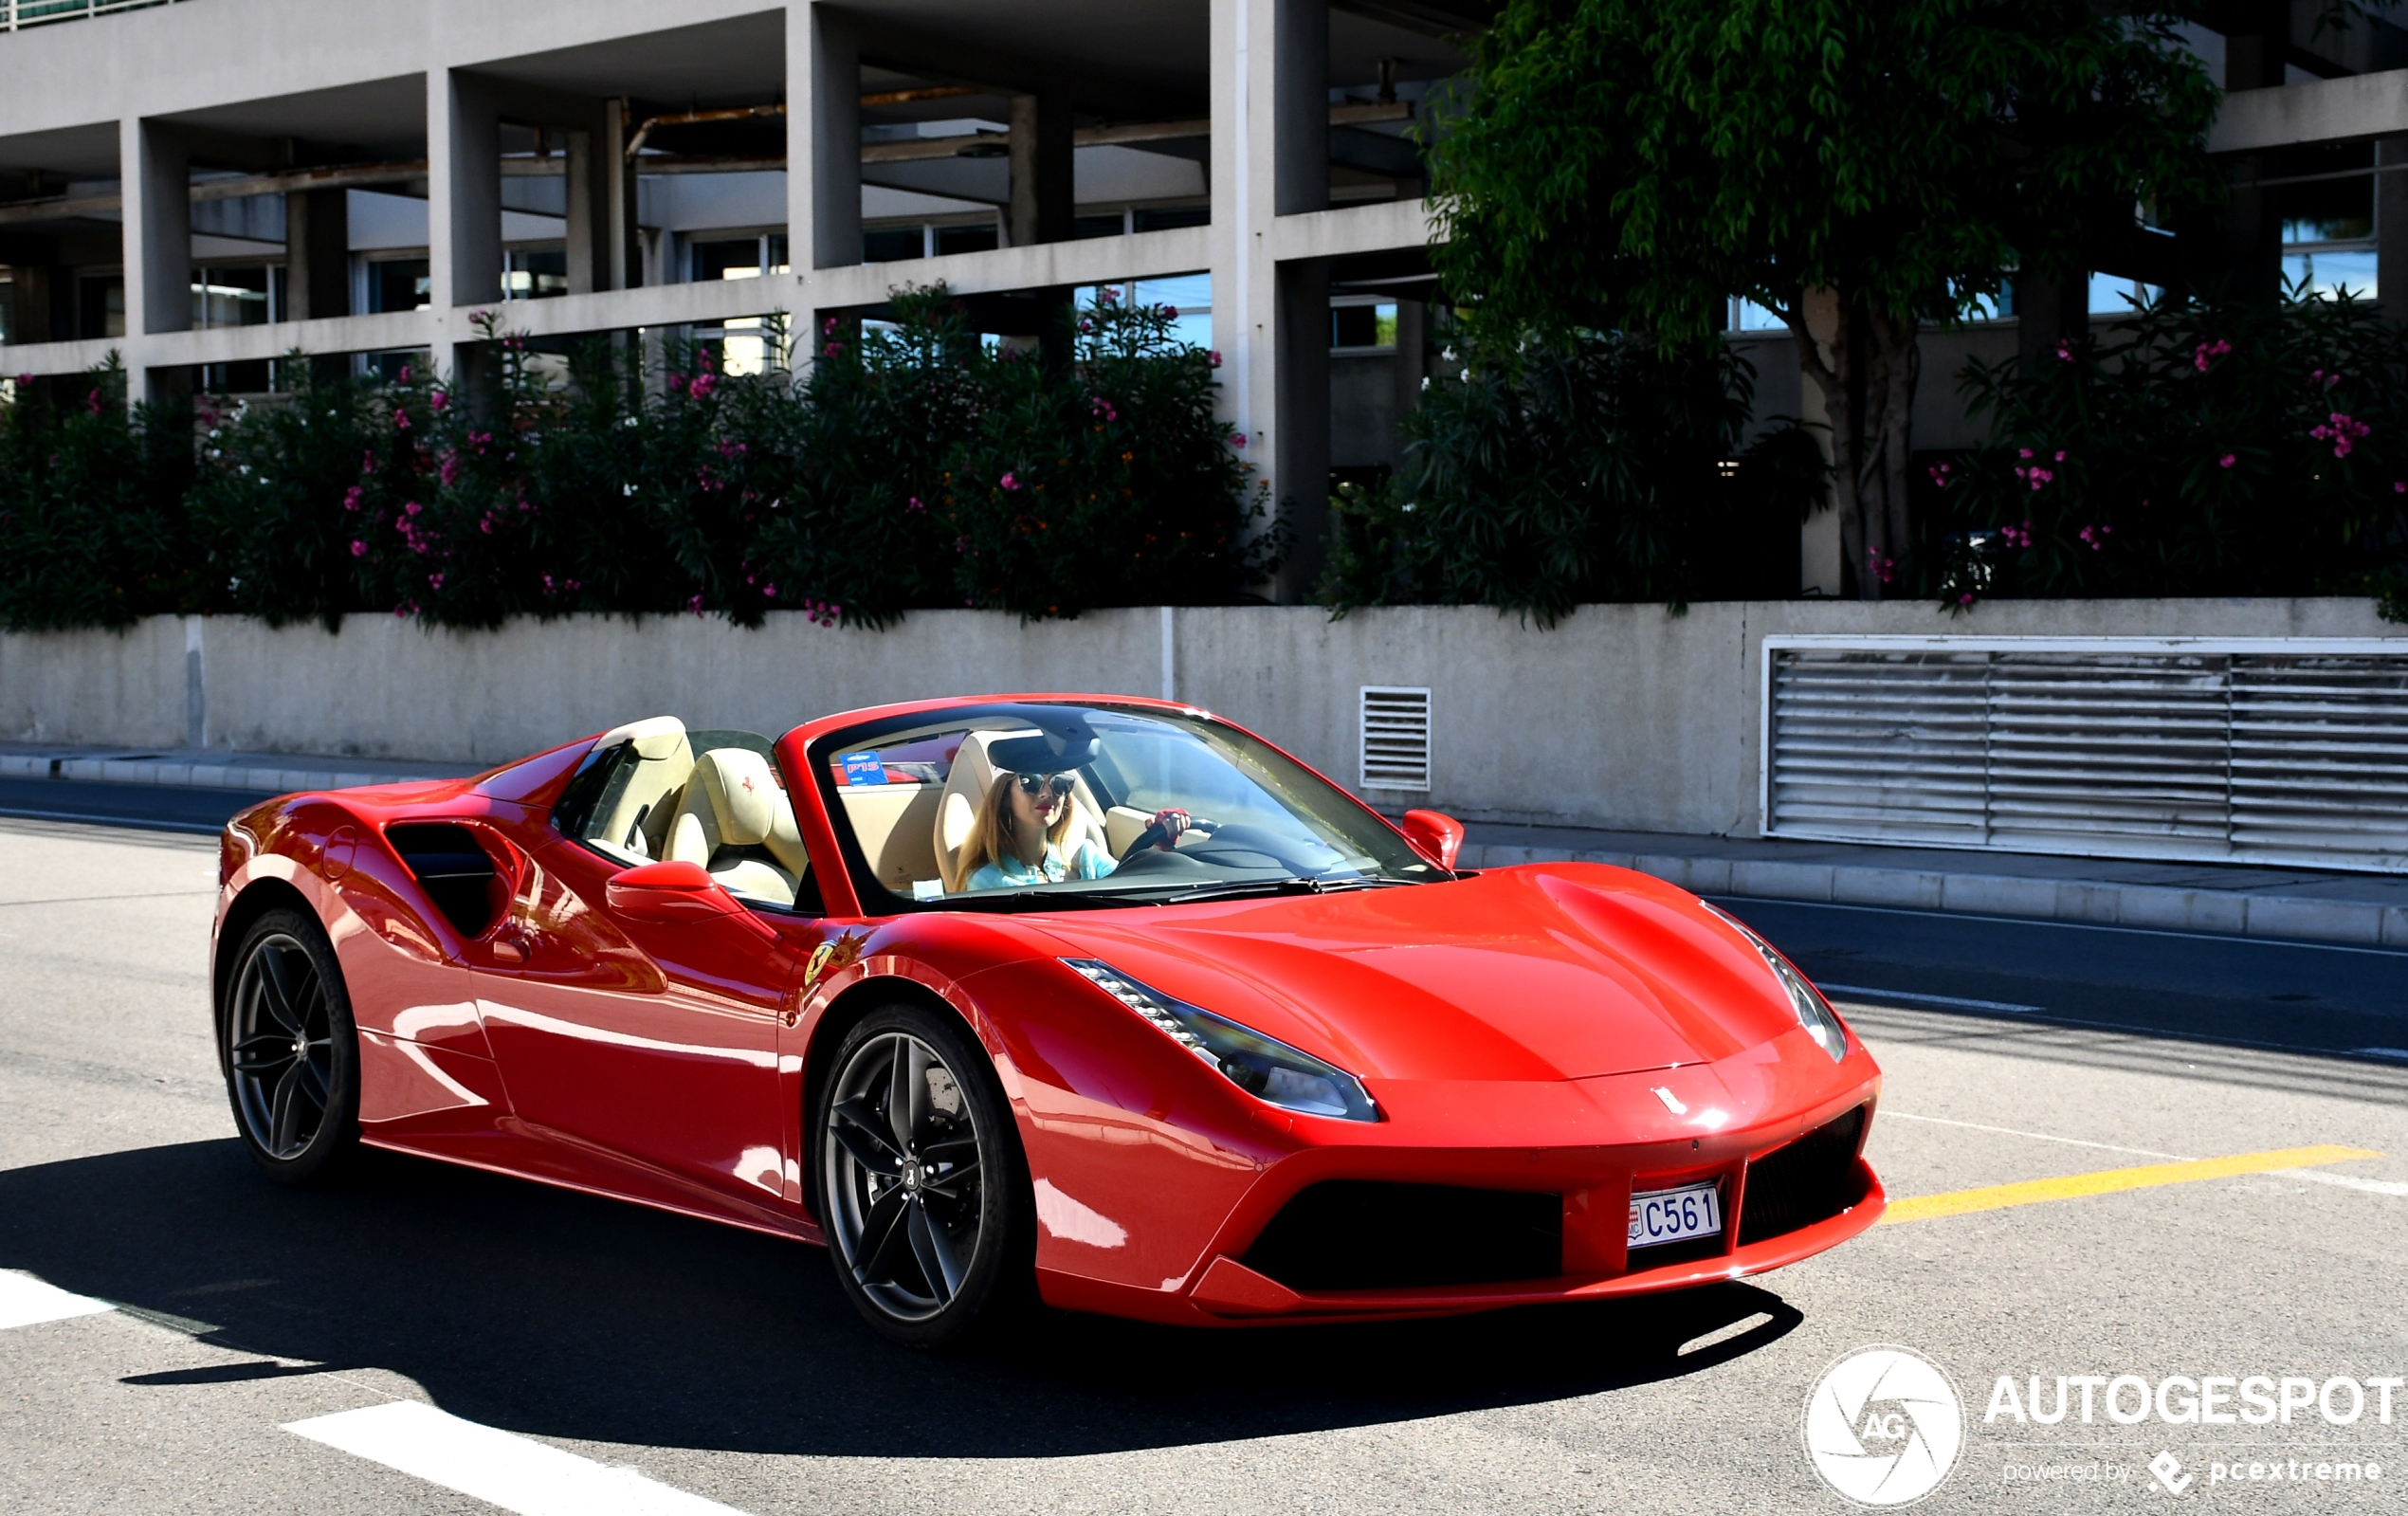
<point x="1884" y="1426"/>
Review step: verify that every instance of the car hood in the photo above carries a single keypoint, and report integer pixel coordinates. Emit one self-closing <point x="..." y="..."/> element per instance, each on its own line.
<point x="1539" y="973"/>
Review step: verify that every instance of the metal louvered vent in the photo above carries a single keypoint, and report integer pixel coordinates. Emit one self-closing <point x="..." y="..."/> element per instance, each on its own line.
<point x="2292" y="752"/>
<point x="1395" y="738"/>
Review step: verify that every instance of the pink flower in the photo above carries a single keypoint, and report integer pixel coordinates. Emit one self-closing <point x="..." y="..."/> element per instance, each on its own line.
<point x="403" y="376"/>
<point x="1965" y="598"/>
<point x="828" y="327"/>
<point x="703" y="386"/>
<point x="1214" y="357"/>
<point x="1170" y="313"/>
<point x="769" y="592"/>
<point x="677" y="384"/>
<point x="2023" y="452"/>
<point x="401" y="421"/>
<point x="2206" y="352"/>
<point x="450" y="469"/>
<point x="2060" y="456"/>
<point x="434" y="581"/>
<point x="436" y="401"/>
<point x="912" y="505"/>
<point x="2065" y="352"/>
<point x="832" y="349"/>
<point x="695" y="605"/>
<point x="92" y="401"/>
<point x="2399" y="486"/>
<point x="411" y="507"/>
<point x="351" y="498"/>
<point x="1009" y="481"/>
<point x="23" y="379"/>
<point x="1238" y="441"/>
<point x="2225" y="462"/>
<point x="358" y="549"/>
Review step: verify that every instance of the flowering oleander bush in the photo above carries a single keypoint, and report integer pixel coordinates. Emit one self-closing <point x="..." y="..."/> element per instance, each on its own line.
<point x="2201" y="450"/>
<point x="1590" y="468"/>
<point x="911" y="468"/>
<point x="92" y="521"/>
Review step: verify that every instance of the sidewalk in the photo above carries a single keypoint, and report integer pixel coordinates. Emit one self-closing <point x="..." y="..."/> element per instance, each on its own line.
<point x="213" y="768"/>
<point x="2366" y="911"/>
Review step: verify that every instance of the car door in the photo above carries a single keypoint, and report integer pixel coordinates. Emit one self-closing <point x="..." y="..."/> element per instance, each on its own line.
<point x="655" y="1042"/>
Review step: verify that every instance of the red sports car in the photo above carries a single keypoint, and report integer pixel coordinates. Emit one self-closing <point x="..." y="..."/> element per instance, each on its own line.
<point x="1096" y="999"/>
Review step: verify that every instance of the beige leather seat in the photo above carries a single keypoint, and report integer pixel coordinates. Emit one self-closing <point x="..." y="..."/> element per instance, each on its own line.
<point x="734" y="802"/>
<point x="974" y="774"/>
<point x="637" y="826"/>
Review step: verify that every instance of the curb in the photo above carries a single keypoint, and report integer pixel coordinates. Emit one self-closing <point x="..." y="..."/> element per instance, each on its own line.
<point x="2156" y="908"/>
<point x="137" y="769"/>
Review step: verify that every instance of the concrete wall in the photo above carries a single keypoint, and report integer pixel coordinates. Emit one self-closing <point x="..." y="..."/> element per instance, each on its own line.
<point x="1622" y="716"/>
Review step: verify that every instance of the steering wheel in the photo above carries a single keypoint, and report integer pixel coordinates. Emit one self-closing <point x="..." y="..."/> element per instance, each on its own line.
<point x="1155" y="834"/>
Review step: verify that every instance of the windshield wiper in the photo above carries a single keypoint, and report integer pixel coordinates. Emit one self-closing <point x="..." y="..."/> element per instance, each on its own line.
<point x="1293" y="884"/>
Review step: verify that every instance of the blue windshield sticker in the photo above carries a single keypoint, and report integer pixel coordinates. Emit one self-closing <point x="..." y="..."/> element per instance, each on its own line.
<point x="864" y="768"/>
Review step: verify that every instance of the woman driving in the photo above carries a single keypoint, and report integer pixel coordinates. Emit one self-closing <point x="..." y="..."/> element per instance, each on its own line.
<point x="1028" y="813"/>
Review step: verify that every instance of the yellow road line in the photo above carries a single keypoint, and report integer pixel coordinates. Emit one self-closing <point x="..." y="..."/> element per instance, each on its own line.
<point x="2107" y="1181"/>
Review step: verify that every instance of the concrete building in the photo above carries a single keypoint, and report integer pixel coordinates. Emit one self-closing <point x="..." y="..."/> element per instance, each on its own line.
<point x="202" y="187"/>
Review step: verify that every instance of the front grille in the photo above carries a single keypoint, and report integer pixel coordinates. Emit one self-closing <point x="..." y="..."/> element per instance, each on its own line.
<point x="1366" y="1235"/>
<point x="1804" y="1182"/>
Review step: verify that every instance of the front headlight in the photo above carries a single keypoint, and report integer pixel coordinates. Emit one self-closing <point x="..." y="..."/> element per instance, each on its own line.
<point x="1264" y="1067"/>
<point x="1814" y="1013"/>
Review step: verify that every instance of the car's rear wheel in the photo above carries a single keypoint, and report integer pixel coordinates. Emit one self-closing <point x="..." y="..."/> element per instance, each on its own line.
<point x="923" y="1190"/>
<point x="290" y="1051"/>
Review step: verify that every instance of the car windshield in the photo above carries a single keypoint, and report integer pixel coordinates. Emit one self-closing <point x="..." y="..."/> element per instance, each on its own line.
<point x="1045" y="807"/>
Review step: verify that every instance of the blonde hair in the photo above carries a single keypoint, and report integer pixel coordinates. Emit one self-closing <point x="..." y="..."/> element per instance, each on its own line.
<point x="990" y="836"/>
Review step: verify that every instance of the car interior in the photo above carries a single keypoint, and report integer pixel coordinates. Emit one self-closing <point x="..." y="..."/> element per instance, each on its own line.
<point x="711" y="797"/>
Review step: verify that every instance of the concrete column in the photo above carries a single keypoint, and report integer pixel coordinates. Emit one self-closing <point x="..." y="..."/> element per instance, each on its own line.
<point x="157" y="171"/>
<point x="1270" y="126"/>
<point x="37" y="297"/>
<point x="1300" y="80"/>
<point x="316" y="254"/>
<point x="2255" y="47"/>
<point x="2391" y="227"/>
<point x="823" y="138"/>
<point x="589" y="230"/>
<point x="1412" y="356"/>
<point x="463" y="191"/>
<point x="622" y="249"/>
<point x="2047" y="311"/>
<point x="1043" y="195"/>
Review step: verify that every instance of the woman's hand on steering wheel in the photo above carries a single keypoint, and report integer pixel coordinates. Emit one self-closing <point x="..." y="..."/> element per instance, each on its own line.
<point x="1164" y="831"/>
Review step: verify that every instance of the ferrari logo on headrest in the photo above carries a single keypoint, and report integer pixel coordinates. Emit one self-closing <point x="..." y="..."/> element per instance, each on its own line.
<point x="747" y="782"/>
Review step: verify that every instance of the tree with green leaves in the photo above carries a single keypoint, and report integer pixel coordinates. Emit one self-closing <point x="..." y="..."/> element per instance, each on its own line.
<point x="1859" y="169"/>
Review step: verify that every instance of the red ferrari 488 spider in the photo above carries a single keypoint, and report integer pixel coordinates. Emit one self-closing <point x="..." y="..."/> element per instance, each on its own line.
<point x="1098" y="1000"/>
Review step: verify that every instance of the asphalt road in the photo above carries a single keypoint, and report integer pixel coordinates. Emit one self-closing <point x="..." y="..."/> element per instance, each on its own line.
<point x="726" y="1366"/>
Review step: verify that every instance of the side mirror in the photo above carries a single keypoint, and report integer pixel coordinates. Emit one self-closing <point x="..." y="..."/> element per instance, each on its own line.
<point x="1436" y="833"/>
<point x="670" y="890"/>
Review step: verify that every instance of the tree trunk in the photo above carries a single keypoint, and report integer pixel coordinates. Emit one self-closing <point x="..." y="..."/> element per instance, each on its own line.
<point x="1896" y="362"/>
<point x="1830" y="364"/>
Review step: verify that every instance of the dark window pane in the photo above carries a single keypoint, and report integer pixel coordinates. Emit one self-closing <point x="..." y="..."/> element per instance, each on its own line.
<point x="7" y="311"/>
<point x="1086" y="227"/>
<point x="537" y="273"/>
<point x="398" y="285"/>
<point x="712" y="260"/>
<point x="978" y="238"/>
<point x="777" y="256"/>
<point x="889" y="245"/>
<point x="1162" y="218"/>
<point x="1354" y="326"/>
<point x="99" y="308"/>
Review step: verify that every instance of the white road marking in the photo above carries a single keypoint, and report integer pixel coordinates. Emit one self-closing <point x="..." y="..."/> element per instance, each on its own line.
<point x="499" y="1468"/>
<point x="26" y="1301"/>
<point x="1920" y="998"/>
<point x="2346" y="1182"/>
<point x="2040" y="1137"/>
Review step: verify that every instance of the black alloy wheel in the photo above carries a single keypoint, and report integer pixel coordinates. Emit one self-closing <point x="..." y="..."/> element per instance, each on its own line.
<point x="925" y="1192"/>
<point x="289" y="1050"/>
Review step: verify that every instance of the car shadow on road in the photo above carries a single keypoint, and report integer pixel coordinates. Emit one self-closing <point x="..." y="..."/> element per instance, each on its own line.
<point x="559" y="1314"/>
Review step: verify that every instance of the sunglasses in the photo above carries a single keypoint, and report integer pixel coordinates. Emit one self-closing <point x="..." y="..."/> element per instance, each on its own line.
<point x="1055" y="785"/>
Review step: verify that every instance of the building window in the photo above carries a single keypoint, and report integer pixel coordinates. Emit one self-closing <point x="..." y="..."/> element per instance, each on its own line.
<point x="1362" y="324"/>
<point x="2324" y="255"/>
<point x="236" y="297"/>
<point x="1191" y="295"/>
<point x="894" y="244"/>
<point x="100" y="305"/>
<point x="535" y="273"/>
<point x="977" y="236"/>
<point x="7" y="311"/>
<point x="1163" y="218"/>
<point x="399" y="285"/>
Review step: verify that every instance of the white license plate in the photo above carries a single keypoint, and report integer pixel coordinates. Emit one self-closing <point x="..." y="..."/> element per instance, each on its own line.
<point x="1675" y="1215"/>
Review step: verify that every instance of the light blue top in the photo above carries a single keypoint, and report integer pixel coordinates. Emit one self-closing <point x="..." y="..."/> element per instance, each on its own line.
<point x="1089" y="862"/>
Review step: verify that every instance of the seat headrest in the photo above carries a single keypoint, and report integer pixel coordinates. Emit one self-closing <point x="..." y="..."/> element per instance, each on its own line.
<point x="653" y="737"/>
<point x="743" y="794"/>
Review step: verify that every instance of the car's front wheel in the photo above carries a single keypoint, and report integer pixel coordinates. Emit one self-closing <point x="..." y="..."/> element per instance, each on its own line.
<point x="290" y="1052"/>
<point x="923" y="1190"/>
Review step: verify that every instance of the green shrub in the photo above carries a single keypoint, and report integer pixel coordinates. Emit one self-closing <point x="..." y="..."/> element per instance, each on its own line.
<point x="2201" y="450"/>
<point x="92" y="521"/>
<point x="1584" y="468"/>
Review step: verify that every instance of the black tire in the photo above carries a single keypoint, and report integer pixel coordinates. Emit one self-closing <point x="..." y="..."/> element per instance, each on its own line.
<point x="930" y="1220"/>
<point x="290" y="1051"/>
